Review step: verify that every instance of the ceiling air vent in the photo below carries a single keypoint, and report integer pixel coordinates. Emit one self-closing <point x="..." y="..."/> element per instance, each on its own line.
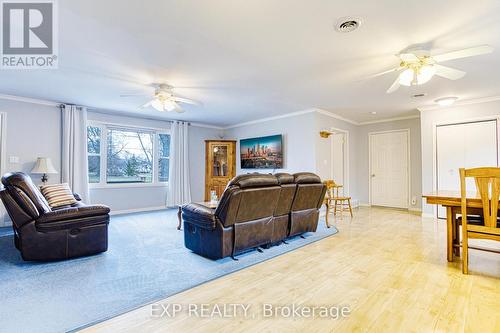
<point x="347" y="24"/>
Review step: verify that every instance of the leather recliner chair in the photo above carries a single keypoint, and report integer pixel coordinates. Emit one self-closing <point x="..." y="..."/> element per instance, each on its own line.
<point x="45" y="234"/>
<point x="254" y="210"/>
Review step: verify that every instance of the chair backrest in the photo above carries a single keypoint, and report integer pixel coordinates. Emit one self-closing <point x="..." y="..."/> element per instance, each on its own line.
<point x="487" y="182"/>
<point x="247" y="198"/>
<point x="310" y="191"/>
<point x="332" y="189"/>
<point x="22" y="199"/>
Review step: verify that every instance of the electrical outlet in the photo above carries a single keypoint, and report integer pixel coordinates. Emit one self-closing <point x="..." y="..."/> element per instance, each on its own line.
<point x="413" y="200"/>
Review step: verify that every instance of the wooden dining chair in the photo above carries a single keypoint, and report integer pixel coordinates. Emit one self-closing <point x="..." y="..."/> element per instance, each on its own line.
<point x="488" y="187"/>
<point x="332" y="195"/>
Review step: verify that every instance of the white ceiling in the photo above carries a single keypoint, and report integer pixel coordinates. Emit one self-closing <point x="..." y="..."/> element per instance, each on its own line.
<point x="246" y="60"/>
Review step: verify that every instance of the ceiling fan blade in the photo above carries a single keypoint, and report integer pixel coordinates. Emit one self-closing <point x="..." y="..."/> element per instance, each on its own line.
<point x="179" y="110"/>
<point x="395" y="86"/>
<point x="133" y="95"/>
<point x="186" y="100"/>
<point x="385" y="72"/>
<point x="448" y="72"/>
<point x="469" y="52"/>
<point x="408" y="57"/>
<point x="148" y="104"/>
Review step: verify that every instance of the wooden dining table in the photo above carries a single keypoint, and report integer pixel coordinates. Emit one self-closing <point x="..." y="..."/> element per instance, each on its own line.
<point x="451" y="200"/>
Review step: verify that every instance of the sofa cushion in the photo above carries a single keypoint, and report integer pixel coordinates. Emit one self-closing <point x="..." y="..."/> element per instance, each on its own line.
<point x="306" y="178"/>
<point x="254" y="180"/>
<point x="77" y="211"/>
<point x="58" y="195"/>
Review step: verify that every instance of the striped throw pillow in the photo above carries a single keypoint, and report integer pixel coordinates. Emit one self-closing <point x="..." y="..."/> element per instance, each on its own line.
<point x="58" y="195"/>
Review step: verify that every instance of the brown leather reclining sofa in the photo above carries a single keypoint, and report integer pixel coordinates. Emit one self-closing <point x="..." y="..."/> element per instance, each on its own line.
<point x="254" y="210"/>
<point x="44" y="234"/>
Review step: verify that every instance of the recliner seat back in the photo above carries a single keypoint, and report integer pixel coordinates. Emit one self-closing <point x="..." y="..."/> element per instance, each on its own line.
<point x="308" y="199"/>
<point x="22" y="199"/>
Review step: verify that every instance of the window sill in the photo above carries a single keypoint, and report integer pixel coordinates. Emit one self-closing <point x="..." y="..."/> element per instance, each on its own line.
<point x="111" y="186"/>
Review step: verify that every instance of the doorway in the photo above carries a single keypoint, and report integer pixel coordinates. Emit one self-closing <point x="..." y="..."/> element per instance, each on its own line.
<point x="340" y="159"/>
<point x="389" y="175"/>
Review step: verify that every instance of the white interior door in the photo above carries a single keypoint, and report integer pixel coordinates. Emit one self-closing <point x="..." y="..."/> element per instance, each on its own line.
<point x="389" y="163"/>
<point x="338" y="156"/>
<point x="466" y="145"/>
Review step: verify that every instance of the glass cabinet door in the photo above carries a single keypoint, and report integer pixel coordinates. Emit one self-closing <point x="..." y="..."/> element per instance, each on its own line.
<point x="219" y="160"/>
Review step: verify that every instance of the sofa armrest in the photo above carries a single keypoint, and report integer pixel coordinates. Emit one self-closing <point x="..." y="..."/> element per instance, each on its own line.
<point x="71" y="213"/>
<point x="199" y="215"/>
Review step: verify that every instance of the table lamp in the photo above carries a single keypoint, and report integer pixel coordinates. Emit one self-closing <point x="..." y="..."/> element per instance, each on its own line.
<point x="43" y="166"/>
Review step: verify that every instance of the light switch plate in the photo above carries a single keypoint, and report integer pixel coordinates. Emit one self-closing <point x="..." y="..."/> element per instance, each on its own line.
<point x="14" y="159"/>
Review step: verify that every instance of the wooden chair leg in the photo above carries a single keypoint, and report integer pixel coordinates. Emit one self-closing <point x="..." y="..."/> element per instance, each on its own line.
<point x="465" y="252"/>
<point x="327" y="212"/>
<point x="449" y="234"/>
<point x="350" y="208"/>
<point x="335" y="208"/>
<point x="456" y="239"/>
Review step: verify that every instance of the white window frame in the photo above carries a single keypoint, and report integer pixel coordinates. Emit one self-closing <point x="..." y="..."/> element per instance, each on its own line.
<point x="159" y="158"/>
<point x="105" y="126"/>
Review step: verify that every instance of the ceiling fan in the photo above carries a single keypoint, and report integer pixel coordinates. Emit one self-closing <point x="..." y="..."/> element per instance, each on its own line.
<point x="164" y="99"/>
<point x="418" y="66"/>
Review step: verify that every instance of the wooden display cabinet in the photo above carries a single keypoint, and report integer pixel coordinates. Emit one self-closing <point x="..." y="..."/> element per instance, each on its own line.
<point x="220" y="165"/>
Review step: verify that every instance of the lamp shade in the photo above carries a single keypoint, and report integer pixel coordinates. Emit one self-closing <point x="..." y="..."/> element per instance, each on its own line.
<point x="43" y="165"/>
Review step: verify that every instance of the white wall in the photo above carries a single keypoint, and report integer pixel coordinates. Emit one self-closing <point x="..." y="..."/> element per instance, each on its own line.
<point x="324" y="150"/>
<point x="298" y="141"/>
<point x="362" y="151"/>
<point x="449" y="115"/>
<point x="32" y="131"/>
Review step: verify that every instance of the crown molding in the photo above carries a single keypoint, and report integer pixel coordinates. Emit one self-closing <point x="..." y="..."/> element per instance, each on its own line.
<point x="29" y="100"/>
<point x="336" y="116"/>
<point x="293" y="114"/>
<point x="263" y="120"/>
<point x="389" y="120"/>
<point x="460" y="103"/>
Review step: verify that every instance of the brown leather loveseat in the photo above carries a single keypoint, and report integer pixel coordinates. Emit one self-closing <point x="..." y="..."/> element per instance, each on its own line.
<point x="44" y="234"/>
<point x="255" y="210"/>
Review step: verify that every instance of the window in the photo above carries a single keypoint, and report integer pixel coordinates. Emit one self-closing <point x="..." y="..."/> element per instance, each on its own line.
<point x="163" y="157"/>
<point x="94" y="153"/>
<point x="127" y="156"/>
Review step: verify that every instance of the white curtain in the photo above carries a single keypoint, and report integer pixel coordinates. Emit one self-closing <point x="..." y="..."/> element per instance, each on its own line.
<point x="74" y="168"/>
<point x="179" y="190"/>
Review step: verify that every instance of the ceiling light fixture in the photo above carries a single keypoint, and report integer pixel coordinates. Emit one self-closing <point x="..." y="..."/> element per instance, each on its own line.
<point x="373" y="112"/>
<point x="446" y="101"/>
<point x="163" y="104"/>
<point x="417" y="75"/>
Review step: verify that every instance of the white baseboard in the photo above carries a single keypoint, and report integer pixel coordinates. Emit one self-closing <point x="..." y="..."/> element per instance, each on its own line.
<point x="136" y="210"/>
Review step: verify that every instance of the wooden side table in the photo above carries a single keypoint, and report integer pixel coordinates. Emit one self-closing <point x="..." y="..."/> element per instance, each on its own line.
<point x="207" y="204"/>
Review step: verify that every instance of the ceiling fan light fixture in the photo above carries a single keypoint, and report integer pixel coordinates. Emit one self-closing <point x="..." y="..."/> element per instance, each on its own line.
<point x="406" y="77"/>
<point x="425" y="74"/>
<point x="169" y="105"/>
<point x="446" y="101"/>
<point x="157" y="104"/>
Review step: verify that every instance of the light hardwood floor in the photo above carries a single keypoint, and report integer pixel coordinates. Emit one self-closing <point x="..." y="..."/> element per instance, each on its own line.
<point x="389" y="267"/>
